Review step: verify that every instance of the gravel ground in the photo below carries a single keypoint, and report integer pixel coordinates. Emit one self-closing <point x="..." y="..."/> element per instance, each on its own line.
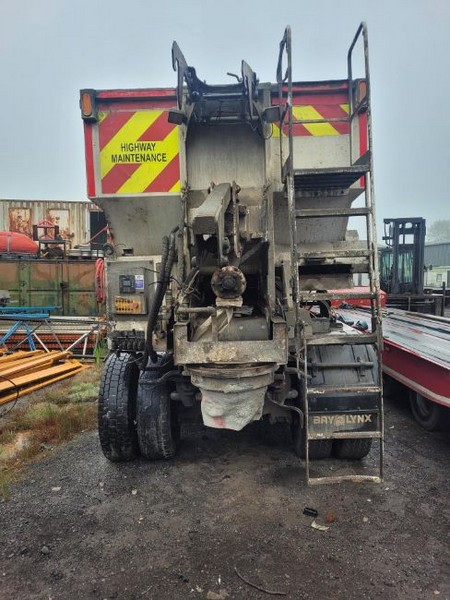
<point x="80" y="527"/>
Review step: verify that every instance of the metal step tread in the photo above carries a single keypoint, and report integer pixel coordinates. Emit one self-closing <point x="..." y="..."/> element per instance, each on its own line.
<point x="307" y="296"/>
<point x="336" y="178"/>
<point x="342" y="338"/>
<point x="318" y="213"/>
<point x="327" y="390"/>
<point x="357" y="253"/>
<point x="342" y="478"/>
<point x="359" y="435"/>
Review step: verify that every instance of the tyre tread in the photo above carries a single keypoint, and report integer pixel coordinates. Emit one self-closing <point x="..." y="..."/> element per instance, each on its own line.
<point x="157" y="426"/>
<point x="116" y="408"/>
<point x="352" y="449"/>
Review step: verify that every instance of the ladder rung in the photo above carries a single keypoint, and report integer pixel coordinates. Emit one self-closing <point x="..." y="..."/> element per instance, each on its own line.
<point x="312" y="296"/>
<point x="311" y="121"/>
<point x="318" y="213"/>
<point x="342" y="478"/>
<point x="312" y="260"/>
<point x="335" y="254"/>
<point x="360" y="435"/>
<point x="321" y="182"/>
<point x="363" y="338"/>
<point x="356" y="169"/>
<point x="332" y="390"/>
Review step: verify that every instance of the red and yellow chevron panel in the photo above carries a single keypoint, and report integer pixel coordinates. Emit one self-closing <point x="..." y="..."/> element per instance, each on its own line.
<point x="139" y="152"/>
<point x="310" y="112"/>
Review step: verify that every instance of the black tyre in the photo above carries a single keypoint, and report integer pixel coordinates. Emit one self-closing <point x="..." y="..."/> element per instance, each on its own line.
<point x="318" y="449"/>
<point x="431" y="416"/>
<point x="117" y="408"/>
<point x="353" y="449"/>
<point x="158" y="427"/>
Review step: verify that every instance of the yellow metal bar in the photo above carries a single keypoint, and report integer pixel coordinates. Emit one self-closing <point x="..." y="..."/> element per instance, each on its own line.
<point x="28" y="390"/>
<point x="20" y="381"/>
<point x="19" y="355"/>
<point x="22" y="365"/>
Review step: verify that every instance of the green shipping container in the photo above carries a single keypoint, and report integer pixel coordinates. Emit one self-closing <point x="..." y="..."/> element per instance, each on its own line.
<point x="70" y="285"/>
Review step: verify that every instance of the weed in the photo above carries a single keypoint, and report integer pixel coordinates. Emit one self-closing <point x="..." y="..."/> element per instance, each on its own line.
<point x="100" y="351"/>
<point x="5" y="481"/>
<point x="50" y="417"/>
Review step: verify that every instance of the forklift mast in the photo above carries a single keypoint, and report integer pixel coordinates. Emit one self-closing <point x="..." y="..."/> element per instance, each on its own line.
<point x="402" y="261"/>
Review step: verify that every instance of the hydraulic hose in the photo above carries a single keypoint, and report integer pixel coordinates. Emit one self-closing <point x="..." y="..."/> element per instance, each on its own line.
<point x="100" y="288"/>
<point x="168" y="256"/>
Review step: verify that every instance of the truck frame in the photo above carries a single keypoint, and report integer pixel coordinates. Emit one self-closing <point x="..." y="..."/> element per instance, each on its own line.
<point x="228" y="208"/>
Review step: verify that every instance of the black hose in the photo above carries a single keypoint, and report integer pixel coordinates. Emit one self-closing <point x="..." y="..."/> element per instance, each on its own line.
<point x="168" y="256"/>
<point x="154" y="382"/>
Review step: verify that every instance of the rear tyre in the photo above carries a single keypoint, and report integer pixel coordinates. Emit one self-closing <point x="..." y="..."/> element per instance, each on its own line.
<point x="431" y="416"/>
<point x="117" y="408"/>
<point x="158" y="428"/>
<point x="353" y="449"/>
<point x="318" y="449"/>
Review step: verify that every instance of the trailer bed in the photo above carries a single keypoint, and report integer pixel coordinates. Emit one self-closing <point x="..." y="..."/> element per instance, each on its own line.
<point x="416" y="350"/>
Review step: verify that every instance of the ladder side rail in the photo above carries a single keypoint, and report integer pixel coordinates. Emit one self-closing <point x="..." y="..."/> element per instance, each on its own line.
<point x="369" y="188"/>
<point x="282" y="103"/>
<point x="355" y="111"/>
<point x="371" y="226"/>
<point x="301" y="350"/>
<point x="286" y="110"/>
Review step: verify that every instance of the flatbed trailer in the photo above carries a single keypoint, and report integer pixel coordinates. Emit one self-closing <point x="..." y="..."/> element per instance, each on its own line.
<point x="416" y="354"/>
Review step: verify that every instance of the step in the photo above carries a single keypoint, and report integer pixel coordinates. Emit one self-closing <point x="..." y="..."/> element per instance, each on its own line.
<point x="341" y="339"/>
<point x="331" y="253"/>
<point x="332" y="390"/>
<point x="313" y="296"/>
<point x="318" y="213"/>
<point x="323" y="180"/>
<point x="343" y="478"/>
<point x="330" y="257"/>
<point x="354" y="435"/>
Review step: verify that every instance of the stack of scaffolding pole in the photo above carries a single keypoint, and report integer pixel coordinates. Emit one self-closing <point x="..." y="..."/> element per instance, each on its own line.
<point x="24" y="372"/>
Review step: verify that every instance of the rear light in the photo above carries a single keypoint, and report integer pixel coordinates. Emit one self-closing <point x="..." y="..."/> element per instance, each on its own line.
<point x="88" y="105"/>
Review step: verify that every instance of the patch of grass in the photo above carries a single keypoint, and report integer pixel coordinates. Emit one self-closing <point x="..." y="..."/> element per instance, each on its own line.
<point x="101" y="350"/>
<point x="49" y="418"/>
<point x="6" y="479"/>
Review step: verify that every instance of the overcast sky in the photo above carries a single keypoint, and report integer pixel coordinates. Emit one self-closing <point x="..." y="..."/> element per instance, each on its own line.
<point x="49" y="49"/>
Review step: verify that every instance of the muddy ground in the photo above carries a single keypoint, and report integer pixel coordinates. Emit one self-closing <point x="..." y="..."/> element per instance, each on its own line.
<point x="80" y="527"/>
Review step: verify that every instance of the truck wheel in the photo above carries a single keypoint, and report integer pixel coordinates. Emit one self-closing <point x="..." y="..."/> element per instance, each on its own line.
<point x="318" y="449"/>
<point x="158" y="428"/>
<point x="117" y="408"/>
<point x="354" y="449"/>
<point x="431" y="416"/>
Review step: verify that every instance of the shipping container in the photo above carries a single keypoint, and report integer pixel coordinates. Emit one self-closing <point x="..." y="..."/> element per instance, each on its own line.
<point x="78" y="222"/>
<point x="67" y="284"/>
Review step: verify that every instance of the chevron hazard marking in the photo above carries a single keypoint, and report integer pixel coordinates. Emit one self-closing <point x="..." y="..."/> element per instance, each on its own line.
<point x="310" y="113"/>
<point x="138" y="153"/>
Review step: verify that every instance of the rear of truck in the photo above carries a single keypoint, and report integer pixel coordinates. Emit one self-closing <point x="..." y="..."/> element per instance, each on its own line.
<point x="228" y="209"/>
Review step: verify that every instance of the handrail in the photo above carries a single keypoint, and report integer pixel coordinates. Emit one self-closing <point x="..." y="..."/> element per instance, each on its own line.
<point x="286" y="109"/>
<point x="364" y="103"/>
<point x="354" y="110"/>
<point x="361" y="29"/>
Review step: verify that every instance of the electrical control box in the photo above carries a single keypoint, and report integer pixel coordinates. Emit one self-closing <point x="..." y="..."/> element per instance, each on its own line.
<point x="127" y="284"/>
<point x="130" y="285"/>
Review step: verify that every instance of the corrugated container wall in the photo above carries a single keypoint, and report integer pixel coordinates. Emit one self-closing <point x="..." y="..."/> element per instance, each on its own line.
<point x="73" y="218"/>
<point x="437" y="254"/>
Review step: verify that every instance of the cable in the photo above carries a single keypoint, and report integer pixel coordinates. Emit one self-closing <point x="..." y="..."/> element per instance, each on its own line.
<point x="3" y="414"/>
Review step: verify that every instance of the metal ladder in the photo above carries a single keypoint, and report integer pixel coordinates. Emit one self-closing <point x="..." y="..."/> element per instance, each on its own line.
<point x="329" y="182"/>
